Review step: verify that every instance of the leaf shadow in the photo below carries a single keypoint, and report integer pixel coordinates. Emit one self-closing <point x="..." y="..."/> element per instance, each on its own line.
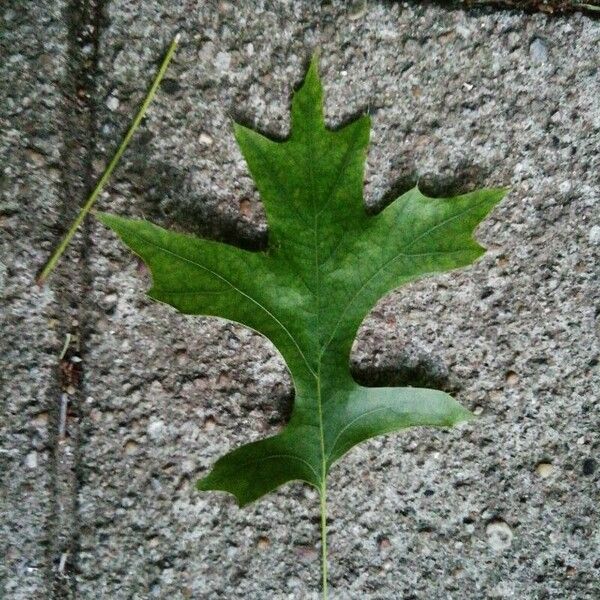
<point x="169" y="199"/>
<point x="244" y="118"/>
<point x="422" y="371"/>
<point x="462" y="179"/>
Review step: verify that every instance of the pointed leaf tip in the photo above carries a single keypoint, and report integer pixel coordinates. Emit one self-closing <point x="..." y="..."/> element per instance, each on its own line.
<point x="109" y="220"/>
<point x="464" y="415"/>
<point x="314" y="62"/>
<point x="307" y="101"/>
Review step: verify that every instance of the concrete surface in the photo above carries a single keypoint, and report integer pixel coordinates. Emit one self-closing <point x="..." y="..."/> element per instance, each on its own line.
<point x="32" y="68"/>
<point x="503" y="508"/>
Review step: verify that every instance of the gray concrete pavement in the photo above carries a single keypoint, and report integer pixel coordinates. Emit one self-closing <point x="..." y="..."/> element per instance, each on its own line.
<point x="32" y="68"/>
<point x="502" y="508"/>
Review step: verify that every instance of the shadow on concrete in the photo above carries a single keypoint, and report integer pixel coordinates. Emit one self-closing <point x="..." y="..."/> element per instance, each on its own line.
<point x="424" y="372"/>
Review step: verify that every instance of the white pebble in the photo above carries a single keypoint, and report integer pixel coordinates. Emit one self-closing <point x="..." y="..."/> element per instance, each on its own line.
<point x="31" y="460"/>
<point x="205" y="139"/>
<point x="112" y="102"/>
<point x="544" y="470"/>
<point x="595" y="234"/>
<point x="538" y="51"/>
<point x="188" y="466"/>
<point x="499" y="534"/>
<point x="156" y="430"/>
<point x="222" y="61"/>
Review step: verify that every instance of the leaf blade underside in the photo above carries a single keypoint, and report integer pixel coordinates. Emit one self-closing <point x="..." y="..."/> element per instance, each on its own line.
<point x="327" y="263"/>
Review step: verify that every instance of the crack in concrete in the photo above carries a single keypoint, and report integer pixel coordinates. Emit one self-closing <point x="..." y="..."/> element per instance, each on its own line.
<point x="70" y="283"/>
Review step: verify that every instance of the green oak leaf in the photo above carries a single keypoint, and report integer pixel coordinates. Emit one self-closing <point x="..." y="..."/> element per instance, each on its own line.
<point x="327" y="263"/>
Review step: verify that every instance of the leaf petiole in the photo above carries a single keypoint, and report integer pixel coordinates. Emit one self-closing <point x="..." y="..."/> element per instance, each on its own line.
<point x="85" y="209"/>
<point x="323" y="495"/>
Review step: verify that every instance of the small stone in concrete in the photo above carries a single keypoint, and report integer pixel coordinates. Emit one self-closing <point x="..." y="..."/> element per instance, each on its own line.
<point x="209" y="424"/>
<point x="384" y="544"/>
<point x="31" y="460"/>
<point x="41" y="419"/>
<point x="109" y="303"/>
<point x="538" y="51"/>
<point x="205" y="139"/>
<point x="306" y="553"/>
<point x="594" y="236"/>
<point x="112" y="102"/>
<point x="544" y="469"/>
<point x="263" y="543"/>
<point x="130" y="447"/>
<point x="222" y="61"/>
<point x="156" y="430"/>
<point x="357" y="10"/>
<point x="499" y="534"/>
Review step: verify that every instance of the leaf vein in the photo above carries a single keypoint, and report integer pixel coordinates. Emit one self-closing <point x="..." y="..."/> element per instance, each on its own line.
<point x="282" y="455"/>
<point x="348" y="425"/>
<point x="390" y="261"/>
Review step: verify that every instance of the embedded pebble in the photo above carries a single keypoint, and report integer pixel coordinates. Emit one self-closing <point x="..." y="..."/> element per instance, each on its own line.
<point x="499" y="534"/>
<point x="188" y="466"/>
<point x="222" y="61"/>
<point x="205" y="139"/>
<point x="538" y="50"/>
<point x="263" y="543"/>
<point x="306" y="553"/>
<point x="130" y="447"/>
<point x="31" y="460"/>
<point x="41" y="419"/>
<point x="156" y="430"/>
<point x="109" y="302"/>
<point x="544" y="470"/>
<point x="384" y="544"/>
<point x="112" y="103"/>
<point x="594" y="236"/>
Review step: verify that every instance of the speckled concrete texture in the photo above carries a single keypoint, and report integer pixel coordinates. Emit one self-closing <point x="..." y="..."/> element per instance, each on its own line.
<point x="506" y="507"/>
<point x="32" y="66"/>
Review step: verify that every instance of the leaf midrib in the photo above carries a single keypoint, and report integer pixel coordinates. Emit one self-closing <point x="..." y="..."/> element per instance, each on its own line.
<point x="343" y="165"/>
<point x="323" y="465"/>
<point x="348" y="425"/>
<point x="281" y="455"/>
